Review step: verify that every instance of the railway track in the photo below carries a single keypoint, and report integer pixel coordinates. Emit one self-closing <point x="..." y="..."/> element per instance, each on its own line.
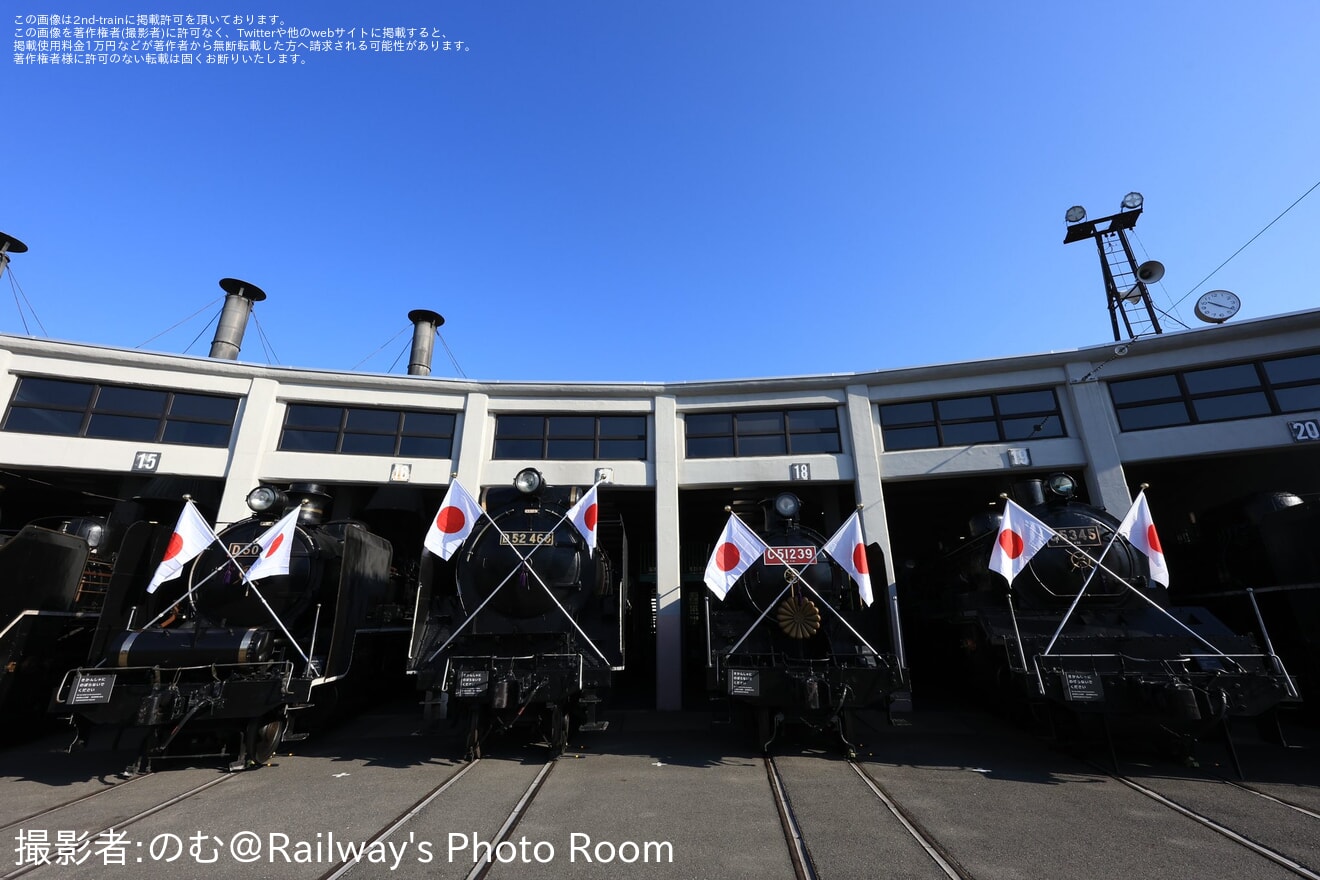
<point x="947" y="865"/>
<point x="1283" y="860"/>
<point x="804" y="864"/>
<point x="481" y="867"/>
<point x="87" y="833"/>
<point x="40" y="814"/>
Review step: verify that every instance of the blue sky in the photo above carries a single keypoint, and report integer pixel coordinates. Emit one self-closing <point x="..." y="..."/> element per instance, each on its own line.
<point x="668" y="191"/>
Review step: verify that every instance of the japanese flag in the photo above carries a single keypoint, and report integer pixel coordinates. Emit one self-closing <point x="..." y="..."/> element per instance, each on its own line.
<point x="276" y="544"/>
<point x="1138" y="528"/>
<point x="583" y="515"/>
<point x="191" y="536"/>
<point x="736" y="550"/>
<point x="847" y="549"/>
<point x="1020" y="536"/>
<point x="458" y="515"/>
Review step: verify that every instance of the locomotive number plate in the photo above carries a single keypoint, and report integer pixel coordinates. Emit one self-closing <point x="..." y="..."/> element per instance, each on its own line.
<point x="789" y="555"/>
<point x="527" y="539"/>
<point x="1082" y="536"/>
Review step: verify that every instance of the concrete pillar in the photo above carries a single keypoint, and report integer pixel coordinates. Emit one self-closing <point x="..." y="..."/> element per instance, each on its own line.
<point x="1096" y="429"/>
<point x="668" y="568"/>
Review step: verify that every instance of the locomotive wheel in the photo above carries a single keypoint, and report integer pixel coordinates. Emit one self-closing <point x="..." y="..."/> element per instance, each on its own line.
<point x="764" y="728"/>
<point x="558" y="731"/>
<point x="473" y="743"/>
<point x="263" y="738"/>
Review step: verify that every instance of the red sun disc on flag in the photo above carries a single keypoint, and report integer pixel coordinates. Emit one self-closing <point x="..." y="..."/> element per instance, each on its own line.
<point x="859" y="559"/>
<point x="274" y="545"/>
<point x="590" y="518"/>
<point x="175" y="545"/>
<point x="450" y="520"/>
<point x="1153" y="539"/>
<point x="727" y="557"/>
<point x="1011" y="542"/>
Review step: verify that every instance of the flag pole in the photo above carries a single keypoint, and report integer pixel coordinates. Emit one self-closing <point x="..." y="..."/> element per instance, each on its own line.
<point x="192" y="588"/>
<point x="1078" y="598"/>
<point x="522" y="560"/>
<point x="1148" y="599"/>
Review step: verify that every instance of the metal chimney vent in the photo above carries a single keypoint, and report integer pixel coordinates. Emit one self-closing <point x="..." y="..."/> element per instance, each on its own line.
<point x="425" y="324"/>
<point x="234" y="317"/>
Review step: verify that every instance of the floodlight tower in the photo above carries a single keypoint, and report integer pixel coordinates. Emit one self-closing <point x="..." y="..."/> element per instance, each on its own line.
<point x="1125" y="281"/>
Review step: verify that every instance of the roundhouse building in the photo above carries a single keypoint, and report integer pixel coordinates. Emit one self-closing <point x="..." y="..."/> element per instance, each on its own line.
<point x="1204" y="417"/>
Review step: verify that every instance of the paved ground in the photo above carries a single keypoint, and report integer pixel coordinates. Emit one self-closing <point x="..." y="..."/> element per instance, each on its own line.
<point x="668" y="796"/>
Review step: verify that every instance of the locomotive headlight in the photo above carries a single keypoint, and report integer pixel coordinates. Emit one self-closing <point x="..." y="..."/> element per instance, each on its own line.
<point x="529" y="481"/>
<point x="787" y="505"/>
<point x="263" y="498"/>
<point x="1062" y="485"/>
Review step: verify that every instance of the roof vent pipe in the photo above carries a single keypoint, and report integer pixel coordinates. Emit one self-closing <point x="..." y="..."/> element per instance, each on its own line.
<point x="234" y="317"/>
<point x="9" y="245"/>
<point x="425" y="324"/>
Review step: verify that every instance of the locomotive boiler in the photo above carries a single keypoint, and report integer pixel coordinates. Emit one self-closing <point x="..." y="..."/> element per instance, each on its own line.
<point x="1080" y="640"/>
<point x="215" y="663"/>
<point x="524" y="624"/>
<point x="792" y="643"/>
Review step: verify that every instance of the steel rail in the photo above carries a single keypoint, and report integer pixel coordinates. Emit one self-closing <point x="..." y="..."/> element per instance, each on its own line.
<point x="136" y="817"/>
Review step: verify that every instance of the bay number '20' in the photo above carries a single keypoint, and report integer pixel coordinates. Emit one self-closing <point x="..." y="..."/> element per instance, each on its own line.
<point x="1305" y="430"/>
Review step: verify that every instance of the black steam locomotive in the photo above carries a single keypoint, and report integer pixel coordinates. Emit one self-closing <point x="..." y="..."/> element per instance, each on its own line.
<point x="793" y="642"/>
<point x="211" y="663"/>
<point x="1124" y="652"/>
<point x="524" y="625"/>
<point x="1257" y="565"/>
<point x="53" y="578"/>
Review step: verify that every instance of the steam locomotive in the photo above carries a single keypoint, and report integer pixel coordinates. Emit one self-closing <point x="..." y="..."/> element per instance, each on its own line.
<point x="524" y="625"/>
<point x="53" y="576"/>
<point x="1257" y="564"/>
<point x="792" y="641"/>
<point x="1125" y="652"/>
<point x="213" y="663"/>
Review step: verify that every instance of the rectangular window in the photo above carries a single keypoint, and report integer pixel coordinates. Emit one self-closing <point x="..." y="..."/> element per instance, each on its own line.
<point x="763" y="432"/>
<point x="120" y="412"/>
<point x="1217" y="394"/>
<point x="565" y="437"/>
<point x="360" y="430"/>
<point x="967" y="421"/>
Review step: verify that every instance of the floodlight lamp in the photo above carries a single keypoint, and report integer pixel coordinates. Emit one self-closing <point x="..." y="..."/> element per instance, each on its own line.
<point x="787" y="505"/>
<point x="263" y="498"/>
<point x="1132" y="201"/>
<point x="1075" y="214"/>
<point x="1061" y="485"/>
<point x="528" y="481"/>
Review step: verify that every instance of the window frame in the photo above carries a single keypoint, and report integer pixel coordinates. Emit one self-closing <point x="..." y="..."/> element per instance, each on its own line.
<point x="735" y="441"/>
<point x="538" y="440"/>
<point x="945" y="429"/>
<point x="341" y="430"/>
<point x="94" y="411"/>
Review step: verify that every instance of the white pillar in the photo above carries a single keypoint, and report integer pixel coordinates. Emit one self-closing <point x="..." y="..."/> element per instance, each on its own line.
<point x="668" y="570"/>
